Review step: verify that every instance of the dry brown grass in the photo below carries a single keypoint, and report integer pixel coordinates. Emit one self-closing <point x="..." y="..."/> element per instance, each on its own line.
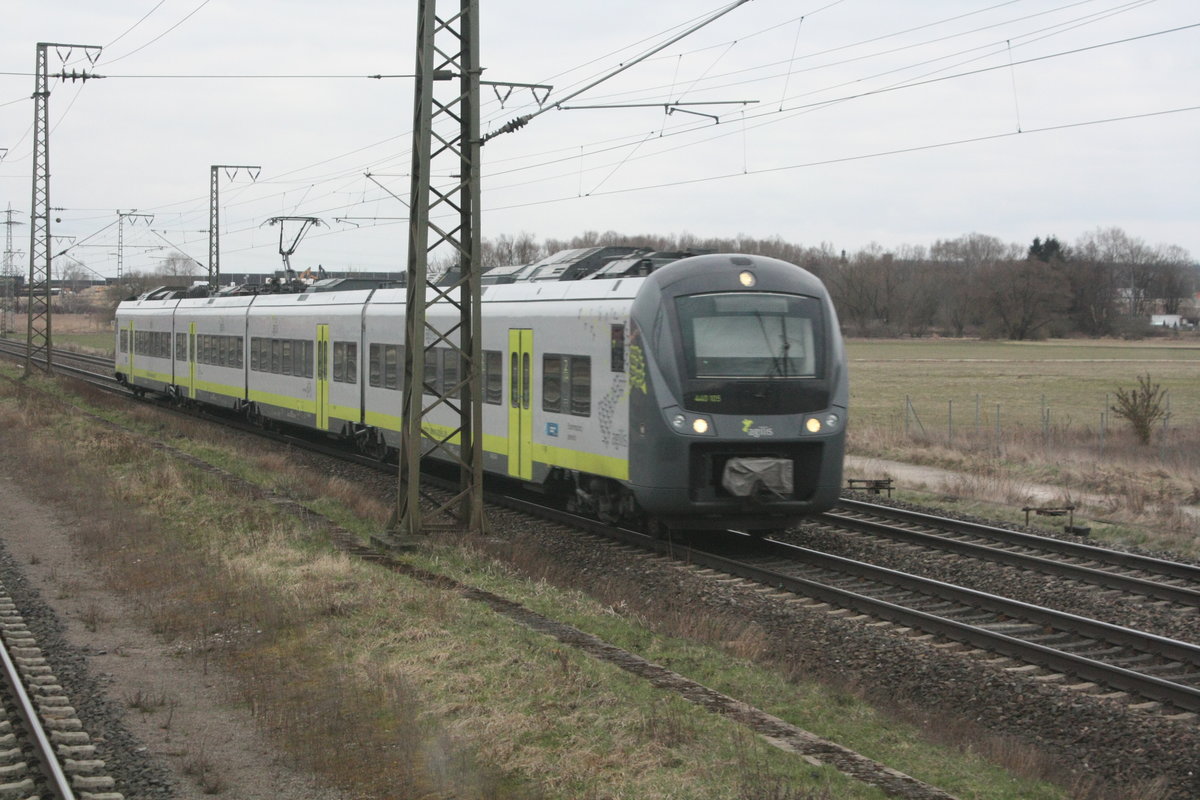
<point x="238" y="585"/>
<point x="1148" y="495"/>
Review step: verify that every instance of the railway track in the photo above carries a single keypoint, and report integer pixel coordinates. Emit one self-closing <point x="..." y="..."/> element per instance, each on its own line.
<point x="44" y="751"/>
<point x="1131" y="573"/>
<point x="1149" y="672"/>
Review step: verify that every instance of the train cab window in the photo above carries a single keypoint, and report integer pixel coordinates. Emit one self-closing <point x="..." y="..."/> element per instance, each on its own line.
<point x="552" y="381"/>
<point x="749" y="335"/>
<point x="493" y="377"/>
<point x="181" y="347"/>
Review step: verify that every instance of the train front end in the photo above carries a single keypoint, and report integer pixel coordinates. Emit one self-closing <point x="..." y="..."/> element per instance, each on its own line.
<point x="738" y="394"/>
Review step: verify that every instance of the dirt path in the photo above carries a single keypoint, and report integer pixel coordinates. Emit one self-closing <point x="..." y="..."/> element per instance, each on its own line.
<point x="189" y="721"/>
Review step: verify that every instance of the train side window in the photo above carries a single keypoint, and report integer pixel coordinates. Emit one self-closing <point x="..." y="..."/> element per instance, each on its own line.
<point x="302" y="358"/>
<point x="239" y="350"/>
<point x="618" y="348"/>
<point x="181" y="347"/>
<point x="375" y="364"/>
<point x="514" y="382"/>
<point x="450" y="358"/>
<point x="339" y="362"/>
<point x="581" y="386"/>
<point x="552" y="383"/>
<point x="286" y="361"/>
<point x="276" y="356"/>
<point x="222" y="351"/>
<point x="432" y="384"/>
<point x="526" y="380"/>
<point x="124" y="341"/>
<point x="391" y="366"/>
<point x="493" y="377"/>
<point x="345" y="362"/>
<point x="255" y="349"/>
<point x="351" y="361"/>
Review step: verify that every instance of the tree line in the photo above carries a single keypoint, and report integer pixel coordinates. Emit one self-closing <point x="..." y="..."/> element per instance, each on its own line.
<point x="1107" y="283"/>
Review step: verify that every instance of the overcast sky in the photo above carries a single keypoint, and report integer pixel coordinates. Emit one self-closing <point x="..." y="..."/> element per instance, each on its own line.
<point x="846" y="123"/>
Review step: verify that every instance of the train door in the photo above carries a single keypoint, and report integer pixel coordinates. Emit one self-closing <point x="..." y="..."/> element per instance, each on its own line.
<point x="322" y="377"/>
<point x="130" y="350"/>
<point x="520" y="403"/>
<point x="189" y="356"/>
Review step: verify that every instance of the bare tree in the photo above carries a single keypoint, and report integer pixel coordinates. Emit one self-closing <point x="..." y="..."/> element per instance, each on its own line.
<point x="1023" y="297"/>
<point x="177" y="263"/>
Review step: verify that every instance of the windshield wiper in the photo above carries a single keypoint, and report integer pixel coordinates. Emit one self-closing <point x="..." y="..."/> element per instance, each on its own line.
<point x="778" y="362"/>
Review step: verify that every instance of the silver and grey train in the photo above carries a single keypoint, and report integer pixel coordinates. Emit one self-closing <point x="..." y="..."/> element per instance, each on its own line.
<point x="709" y="393"/>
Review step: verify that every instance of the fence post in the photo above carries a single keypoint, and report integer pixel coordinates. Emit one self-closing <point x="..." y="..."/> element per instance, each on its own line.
<point x="949" y="420"/>
<point x="998" y="445"/>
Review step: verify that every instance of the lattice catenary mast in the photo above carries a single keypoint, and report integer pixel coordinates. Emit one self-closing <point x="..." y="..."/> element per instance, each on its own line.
<point x="214" y="215"/>
<point x="38" y="340"/>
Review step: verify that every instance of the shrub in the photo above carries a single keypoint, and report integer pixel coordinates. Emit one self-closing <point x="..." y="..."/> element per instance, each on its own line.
<point x="1142" y="406"/>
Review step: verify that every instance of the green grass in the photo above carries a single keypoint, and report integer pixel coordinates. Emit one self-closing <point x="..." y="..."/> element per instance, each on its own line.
<point x="99" y="343"/>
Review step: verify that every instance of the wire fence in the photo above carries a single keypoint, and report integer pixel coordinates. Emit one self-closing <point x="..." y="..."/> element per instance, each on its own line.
<point x="976" y="422"/>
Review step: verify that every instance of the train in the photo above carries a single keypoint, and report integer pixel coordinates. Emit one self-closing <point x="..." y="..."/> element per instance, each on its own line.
<point x="671" y="393"/>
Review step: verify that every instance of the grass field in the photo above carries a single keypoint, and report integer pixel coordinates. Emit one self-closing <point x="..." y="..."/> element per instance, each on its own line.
<point x="1006" y="417"/>
<point x="1074" y="380"/>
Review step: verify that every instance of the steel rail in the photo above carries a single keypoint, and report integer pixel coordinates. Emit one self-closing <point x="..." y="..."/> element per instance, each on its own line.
<point x="1115" y="557"/>
<point x="43" y="749"/>
<point x="1109" y="580"/>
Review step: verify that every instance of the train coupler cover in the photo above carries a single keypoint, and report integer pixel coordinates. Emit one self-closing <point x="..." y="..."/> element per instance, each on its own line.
<point x="743" y="477"/>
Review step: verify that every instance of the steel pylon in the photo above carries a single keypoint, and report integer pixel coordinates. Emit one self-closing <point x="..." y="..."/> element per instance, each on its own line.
<point x="444" y="214"/>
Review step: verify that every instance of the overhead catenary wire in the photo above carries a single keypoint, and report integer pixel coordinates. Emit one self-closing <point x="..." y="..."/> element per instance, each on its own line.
<point x="633" y="142"/>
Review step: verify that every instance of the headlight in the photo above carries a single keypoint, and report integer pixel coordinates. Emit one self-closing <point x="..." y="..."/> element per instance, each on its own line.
<point x="826" y="423"/>
<point x="688" y="423"/>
